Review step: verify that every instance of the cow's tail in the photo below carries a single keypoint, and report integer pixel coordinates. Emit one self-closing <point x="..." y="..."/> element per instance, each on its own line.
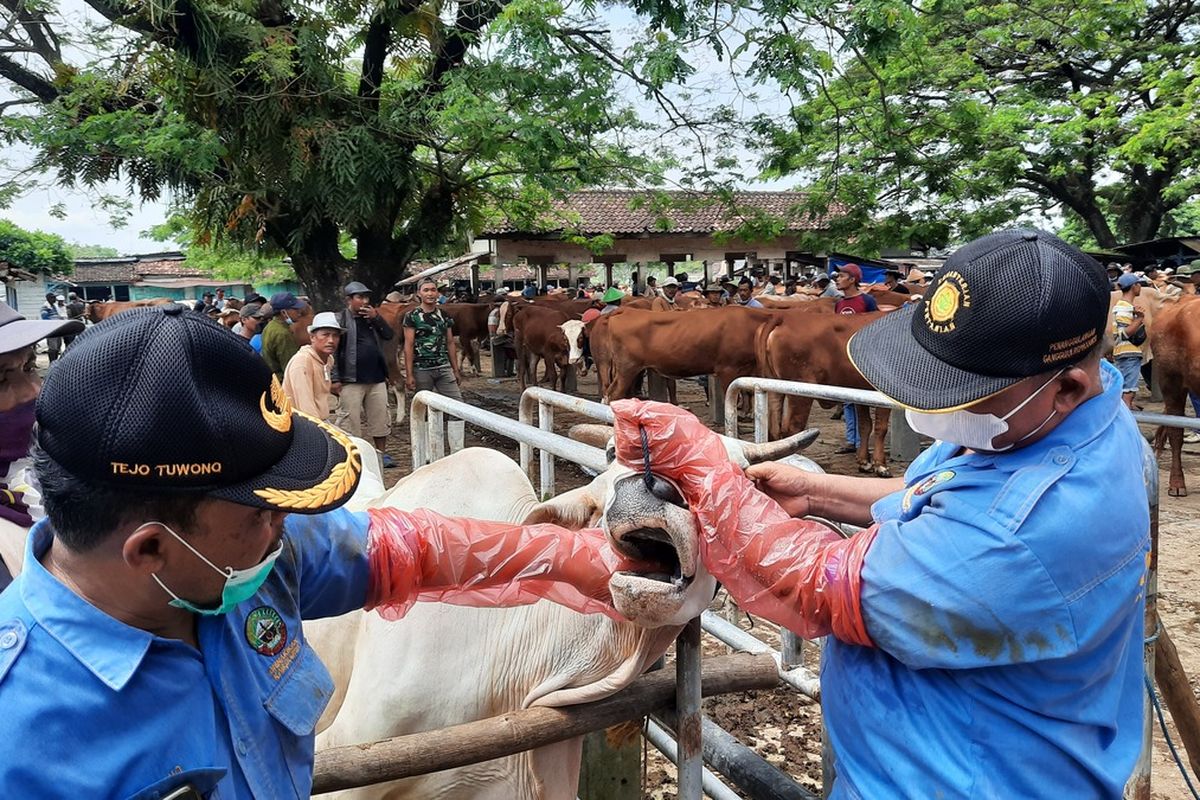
<point x="762" y="353"/>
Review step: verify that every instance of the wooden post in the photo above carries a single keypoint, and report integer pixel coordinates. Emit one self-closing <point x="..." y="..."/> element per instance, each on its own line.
<point x="475" y="283"/>
<point x="608" y="281"/>
<point x="637" y="276"/>
<point x="1177" y="693"/>
<point x="571" y="276"/>
<point x="543" y="272"/>
<point x="706" y="277"/>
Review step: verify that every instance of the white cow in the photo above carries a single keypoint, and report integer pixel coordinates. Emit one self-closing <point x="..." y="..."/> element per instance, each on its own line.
<point x="445" y="665"/>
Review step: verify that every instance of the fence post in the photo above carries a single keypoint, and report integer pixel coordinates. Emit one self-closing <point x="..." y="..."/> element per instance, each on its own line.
<point x="761" y="408"/>
<point x="418" y="427"/>
<point x="546" y="459"/>
<point x="690" y="761"/>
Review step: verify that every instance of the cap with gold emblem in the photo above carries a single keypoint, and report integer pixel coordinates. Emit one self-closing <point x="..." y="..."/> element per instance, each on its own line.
<point x="165" y="400"/>
<point x="1002" y="308"/>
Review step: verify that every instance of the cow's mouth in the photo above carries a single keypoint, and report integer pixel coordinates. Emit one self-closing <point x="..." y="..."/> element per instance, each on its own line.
<point x="655" y="546"/>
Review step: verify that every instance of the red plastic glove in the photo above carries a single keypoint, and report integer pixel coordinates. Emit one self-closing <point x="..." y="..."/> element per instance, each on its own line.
<point x="422" y="555"/>
<point x="794" y="572"/>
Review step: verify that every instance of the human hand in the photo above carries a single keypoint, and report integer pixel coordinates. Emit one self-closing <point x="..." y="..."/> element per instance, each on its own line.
<point x="368" y="311"/>
<point x="410" y="383"/>
<point x="335" y="388"/>
<point x="790" y="487"/>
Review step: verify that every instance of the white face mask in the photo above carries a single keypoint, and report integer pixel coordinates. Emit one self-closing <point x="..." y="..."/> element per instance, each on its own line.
<point x="971" y="430"/>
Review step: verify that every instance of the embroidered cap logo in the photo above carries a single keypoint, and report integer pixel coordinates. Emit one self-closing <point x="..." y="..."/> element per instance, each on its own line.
<point x="951" y="295"/>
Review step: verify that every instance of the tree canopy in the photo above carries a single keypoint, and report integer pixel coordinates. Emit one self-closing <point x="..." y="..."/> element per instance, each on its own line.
<point x="34" y="251"/>
<point x="286" y="125"/>
<point x="942" y="120"/>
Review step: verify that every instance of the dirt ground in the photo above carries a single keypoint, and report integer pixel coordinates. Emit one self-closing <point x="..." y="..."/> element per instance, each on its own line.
<point x="778" y="724"/>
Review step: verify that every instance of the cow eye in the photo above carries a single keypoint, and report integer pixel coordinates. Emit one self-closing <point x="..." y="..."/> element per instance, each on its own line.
<point x="610" y="452"/>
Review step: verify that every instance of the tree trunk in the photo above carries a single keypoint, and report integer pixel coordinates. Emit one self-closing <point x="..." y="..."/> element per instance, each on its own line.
<point x="380" y="263"/>
<point x="321" y="267"/>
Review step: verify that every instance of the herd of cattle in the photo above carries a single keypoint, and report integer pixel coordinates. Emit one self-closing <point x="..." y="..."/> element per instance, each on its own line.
<point x="797" y="339"/>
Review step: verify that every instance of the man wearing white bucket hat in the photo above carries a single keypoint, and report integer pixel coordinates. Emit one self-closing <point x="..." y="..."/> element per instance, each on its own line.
<point x="308" y="377"/>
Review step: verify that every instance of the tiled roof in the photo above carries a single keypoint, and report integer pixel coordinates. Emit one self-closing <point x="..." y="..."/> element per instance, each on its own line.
<point x="172" y="268"/>
<point x="131" y="269"/>
<point x="633" y="212"/>
<point x="109" y="272"/>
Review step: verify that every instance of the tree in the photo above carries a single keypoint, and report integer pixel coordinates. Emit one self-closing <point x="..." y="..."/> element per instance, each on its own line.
<point x="951" y="118"/>
<point x="34" y="251"/>
<point x="285" y="125"/>
<point x="91" y="251"/>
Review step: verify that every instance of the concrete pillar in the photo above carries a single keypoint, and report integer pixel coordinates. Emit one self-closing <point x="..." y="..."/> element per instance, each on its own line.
<point x="905" y="444"/>
<point x="475" y="278"/>
<point x="543" y="271"/>
<point x="656" y="386"/>
<point x="608" y="281"/>
<point x="572" y="276"/>
<point x="498" y="278"/>
<point x="716" y="401"/>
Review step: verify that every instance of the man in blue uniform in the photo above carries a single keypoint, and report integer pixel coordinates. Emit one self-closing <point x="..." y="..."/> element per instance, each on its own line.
<point x="986" y="627"/>
<point x="153" y="640"/>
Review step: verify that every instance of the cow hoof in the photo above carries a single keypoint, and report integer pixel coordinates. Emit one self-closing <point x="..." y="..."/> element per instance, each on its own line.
<point x="865" y="468"/>
<point x="883" y="472"/>
<point x="1177" y="491"/>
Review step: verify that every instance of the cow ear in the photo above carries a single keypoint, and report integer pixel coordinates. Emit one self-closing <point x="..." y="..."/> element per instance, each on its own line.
<point x="574" y="510"/>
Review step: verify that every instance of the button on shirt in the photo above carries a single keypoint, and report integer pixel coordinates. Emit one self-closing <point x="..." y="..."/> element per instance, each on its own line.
<point x="1005" y="594"/>
<point x="98" y="709"/>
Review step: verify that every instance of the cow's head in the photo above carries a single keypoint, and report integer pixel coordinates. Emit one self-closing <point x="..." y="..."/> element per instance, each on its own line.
<point x="646" y="519"/>
<point x="573" y="330"/>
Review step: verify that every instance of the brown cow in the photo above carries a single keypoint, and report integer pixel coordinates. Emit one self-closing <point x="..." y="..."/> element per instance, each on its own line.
<point x="1176" y="342"/>
<point x="97" y="311"/>
<point x="549" y="335"/>
<point x="813" y="350"/>
<point x="705" y="341"/>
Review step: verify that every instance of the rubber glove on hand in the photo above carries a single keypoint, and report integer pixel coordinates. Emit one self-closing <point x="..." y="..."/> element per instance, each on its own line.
<point x="797" y="573"/>
<point x="422" y="555"/>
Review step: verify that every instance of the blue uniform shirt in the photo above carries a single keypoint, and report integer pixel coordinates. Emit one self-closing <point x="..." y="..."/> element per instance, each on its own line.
<point x="98" y="709"/>
<point x="1005" y="594"/>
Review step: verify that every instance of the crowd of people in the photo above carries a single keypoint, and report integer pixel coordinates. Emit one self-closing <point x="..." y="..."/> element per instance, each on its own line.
<point x="184" y="523"/>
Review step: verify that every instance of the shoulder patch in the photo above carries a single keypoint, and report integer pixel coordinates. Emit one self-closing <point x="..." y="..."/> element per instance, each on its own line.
<point x="12" y="641"/>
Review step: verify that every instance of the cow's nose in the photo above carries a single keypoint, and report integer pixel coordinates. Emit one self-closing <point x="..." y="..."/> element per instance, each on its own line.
<point x="665" y="490"/>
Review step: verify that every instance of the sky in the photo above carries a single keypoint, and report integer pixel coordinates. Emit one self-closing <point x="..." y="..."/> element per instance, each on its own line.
<point x="84" y="222"/>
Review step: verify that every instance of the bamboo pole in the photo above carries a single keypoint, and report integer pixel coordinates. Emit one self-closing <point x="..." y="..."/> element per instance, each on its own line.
<point x="446" y="748"/>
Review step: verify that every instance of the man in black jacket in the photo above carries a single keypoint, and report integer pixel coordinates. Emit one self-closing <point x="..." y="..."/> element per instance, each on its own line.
<point x="360" y="376"/>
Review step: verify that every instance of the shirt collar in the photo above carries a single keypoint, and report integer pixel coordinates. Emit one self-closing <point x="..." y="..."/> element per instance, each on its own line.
<point x="110" y="649"/>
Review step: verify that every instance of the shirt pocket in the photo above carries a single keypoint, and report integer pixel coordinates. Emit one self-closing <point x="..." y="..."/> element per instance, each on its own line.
<point x="302" y="694"/>
<point x="203" y="780"/>
<point x="297" y="704"/>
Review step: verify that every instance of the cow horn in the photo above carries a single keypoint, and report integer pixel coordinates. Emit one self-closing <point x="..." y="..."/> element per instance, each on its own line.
<point x="773" y="451"/>
<point x="595" y="434"/>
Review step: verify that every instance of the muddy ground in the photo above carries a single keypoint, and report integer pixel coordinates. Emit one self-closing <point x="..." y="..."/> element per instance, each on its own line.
<point x="778" y="724"/>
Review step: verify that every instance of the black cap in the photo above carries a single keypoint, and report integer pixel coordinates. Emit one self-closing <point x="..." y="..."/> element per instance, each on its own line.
<point x="1001" y="308"/>
<point x="162" y="400"/>
<point x="355" y="287"/>
<point x="285" y="301"/>
<point x="17" y="332"/>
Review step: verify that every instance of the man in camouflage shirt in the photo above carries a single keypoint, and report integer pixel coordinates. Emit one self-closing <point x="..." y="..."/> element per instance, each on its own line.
<point x="430" y="357"/>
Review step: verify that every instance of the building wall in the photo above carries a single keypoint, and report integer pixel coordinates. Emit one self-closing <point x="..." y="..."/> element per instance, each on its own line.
<point x="644" y="250"/>
<point x="28" y="296"/>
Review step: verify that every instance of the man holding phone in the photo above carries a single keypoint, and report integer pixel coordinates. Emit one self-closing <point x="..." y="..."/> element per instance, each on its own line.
<point x="360" y="376"/>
